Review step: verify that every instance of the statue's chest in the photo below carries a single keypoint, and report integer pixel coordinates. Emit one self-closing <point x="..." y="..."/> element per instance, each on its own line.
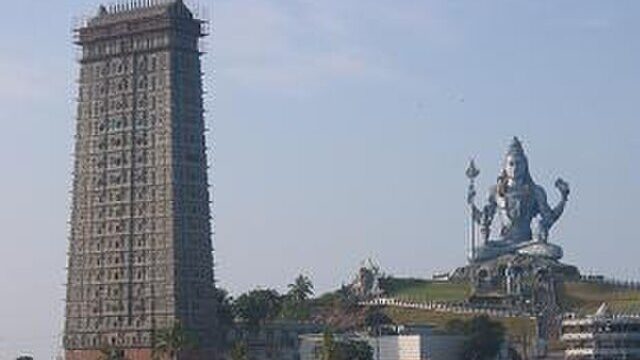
<point x="517" y="204"/>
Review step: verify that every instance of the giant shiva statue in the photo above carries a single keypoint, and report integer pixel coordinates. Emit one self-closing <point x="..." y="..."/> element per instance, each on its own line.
<point x="520" y="204"/>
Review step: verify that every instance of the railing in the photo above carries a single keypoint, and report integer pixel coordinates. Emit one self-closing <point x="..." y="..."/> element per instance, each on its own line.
<point x="625" y="284"/>
<point x="458" y="308"/>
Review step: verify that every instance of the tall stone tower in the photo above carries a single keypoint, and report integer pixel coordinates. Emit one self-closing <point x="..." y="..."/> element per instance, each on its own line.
<point x="140" y="254"/>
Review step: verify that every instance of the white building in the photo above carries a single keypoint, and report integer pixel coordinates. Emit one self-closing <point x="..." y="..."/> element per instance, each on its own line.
<point x="602" y="336"/>
<point x="410" y="343"/>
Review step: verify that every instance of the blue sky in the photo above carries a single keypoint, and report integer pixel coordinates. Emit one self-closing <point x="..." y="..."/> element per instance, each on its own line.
<point x="342" y="130"/>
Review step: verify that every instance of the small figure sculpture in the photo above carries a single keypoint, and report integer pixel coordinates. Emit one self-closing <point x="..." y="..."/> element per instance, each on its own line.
<point x="367" y="281"/>
<point x="518" y="200"/>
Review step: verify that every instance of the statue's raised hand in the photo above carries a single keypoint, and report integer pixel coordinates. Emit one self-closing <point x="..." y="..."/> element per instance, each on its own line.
<point x="563" y="187"/>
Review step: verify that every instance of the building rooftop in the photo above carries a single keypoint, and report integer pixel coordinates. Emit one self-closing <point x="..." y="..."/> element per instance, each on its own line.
<point x="138" y="9"/>
<point x="129" y="17"/>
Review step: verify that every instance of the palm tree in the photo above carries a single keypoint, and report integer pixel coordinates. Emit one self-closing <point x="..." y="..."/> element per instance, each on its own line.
<point x="258" y="306"/>
<point x="296" y="302"/>
<point x="301" y="289"/>
<point x="171" y="341"/>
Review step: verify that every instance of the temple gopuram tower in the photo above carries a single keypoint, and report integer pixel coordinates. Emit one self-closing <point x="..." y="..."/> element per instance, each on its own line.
<point x="140" y="253"/>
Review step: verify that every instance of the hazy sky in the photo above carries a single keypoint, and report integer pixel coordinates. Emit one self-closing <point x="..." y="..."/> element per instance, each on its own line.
<point x="342" y="131"/>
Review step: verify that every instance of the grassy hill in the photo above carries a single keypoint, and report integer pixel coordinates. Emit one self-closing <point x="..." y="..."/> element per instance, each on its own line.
<point x="576" y="296"/>
<point x="585" y="297"/>
<point x="425" y="290"/>
<point x="440" y="319"/>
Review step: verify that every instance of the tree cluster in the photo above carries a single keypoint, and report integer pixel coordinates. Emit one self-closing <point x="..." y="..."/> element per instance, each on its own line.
<point x="484" y="337"/>
<point x="261" y="305"/>
<point x="345" y="350"/>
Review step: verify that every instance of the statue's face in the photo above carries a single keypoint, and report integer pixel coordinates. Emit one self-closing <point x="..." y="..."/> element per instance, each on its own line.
<point x="515" y="166"/>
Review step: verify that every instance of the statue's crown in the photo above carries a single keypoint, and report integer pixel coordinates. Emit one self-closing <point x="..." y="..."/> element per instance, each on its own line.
<point x="516" y="147"/>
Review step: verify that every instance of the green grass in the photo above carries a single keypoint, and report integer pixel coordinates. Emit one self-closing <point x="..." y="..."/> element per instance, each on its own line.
<point x="425" y="290"/>
<point x="439" y="320"/>
<point x="577" y="296"/>
<point x="586" y="297"/>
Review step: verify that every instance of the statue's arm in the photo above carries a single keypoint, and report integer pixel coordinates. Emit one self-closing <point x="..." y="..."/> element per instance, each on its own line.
<point x="487" y="214"/>
<point x="546" y="213"/>
<point x="484" y="216"/>
<point x="563" y="187"/>
<point x="550" y="215"/>
<point x="489" y="210"/>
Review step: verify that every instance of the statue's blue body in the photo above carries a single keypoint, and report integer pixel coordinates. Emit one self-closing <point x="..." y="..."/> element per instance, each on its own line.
<point x="519" y="203"/>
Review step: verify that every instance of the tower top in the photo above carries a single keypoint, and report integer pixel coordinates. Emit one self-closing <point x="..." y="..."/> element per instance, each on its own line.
<point x="128" y="17"/>
<point x="137" y="9"/>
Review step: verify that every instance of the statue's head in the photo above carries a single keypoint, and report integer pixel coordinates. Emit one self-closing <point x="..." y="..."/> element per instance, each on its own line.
<point x="516" y="165"/>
